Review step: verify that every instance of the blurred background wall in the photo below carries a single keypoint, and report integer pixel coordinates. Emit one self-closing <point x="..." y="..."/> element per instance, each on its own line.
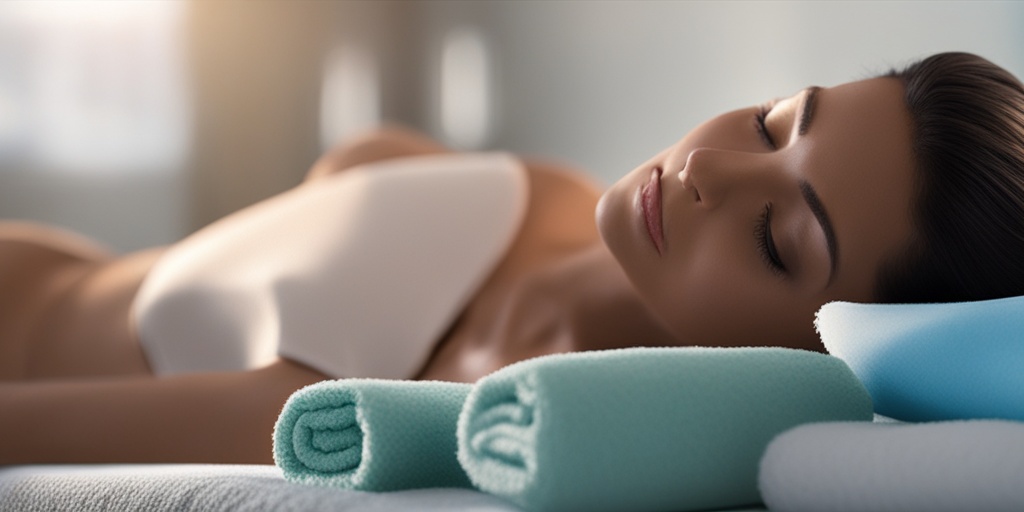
<point x="139" y="122"/>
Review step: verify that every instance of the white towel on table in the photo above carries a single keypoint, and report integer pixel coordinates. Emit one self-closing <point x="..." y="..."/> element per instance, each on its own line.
<point x="954" y="466"/>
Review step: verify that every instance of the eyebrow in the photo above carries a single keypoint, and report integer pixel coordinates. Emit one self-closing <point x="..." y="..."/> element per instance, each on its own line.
<point x="814" y="203"/>
<point x="810" y="195"/>
<point x="810" y="100"/>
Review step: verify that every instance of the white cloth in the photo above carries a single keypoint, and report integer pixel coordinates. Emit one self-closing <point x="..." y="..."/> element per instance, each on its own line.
<point x="357" y="275"/>
<point x="953" y="466"/>
<point x="209" y="488"/>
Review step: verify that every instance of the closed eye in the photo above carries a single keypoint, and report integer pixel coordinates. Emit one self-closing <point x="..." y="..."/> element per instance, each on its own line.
<point x="766" y="244"/>
<point x="760" y="124"/>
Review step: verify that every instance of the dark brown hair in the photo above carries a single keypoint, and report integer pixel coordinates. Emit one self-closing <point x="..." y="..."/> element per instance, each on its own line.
<point x="968" y="141"/>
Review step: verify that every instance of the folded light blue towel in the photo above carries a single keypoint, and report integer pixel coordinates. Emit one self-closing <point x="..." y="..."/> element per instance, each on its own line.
<point x="645" y="428"/>
<point x="375" y="435"/>
<point x="932" y="362"/>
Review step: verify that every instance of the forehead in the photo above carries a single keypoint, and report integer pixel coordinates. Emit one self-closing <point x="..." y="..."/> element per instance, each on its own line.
<point x="858" y="155"/>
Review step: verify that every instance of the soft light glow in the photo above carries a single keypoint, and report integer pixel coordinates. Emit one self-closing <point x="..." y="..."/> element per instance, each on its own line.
<point x="103" y="14"/>
<point x="100" y="86"/>
<point x="465" y="89"/>
<point x="350" y="97"/>
<point x="12" y="119"/>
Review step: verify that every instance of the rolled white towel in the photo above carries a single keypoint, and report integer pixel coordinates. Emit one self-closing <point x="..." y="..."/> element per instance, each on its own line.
<point x="951" y="466"/>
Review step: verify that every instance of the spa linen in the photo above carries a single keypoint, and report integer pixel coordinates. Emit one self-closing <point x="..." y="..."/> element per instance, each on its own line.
<point x="368" y="434"/>
<point x="320" y="274"/>
<point x="952" y="466"/>
<point x="645" y="428"/>
<point x="933" y="362"/>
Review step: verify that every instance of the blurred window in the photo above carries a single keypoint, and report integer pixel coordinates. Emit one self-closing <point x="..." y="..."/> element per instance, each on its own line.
<point x="350" y="96"/>
<point x="93" y="86"/>
<point x="465" y="102"/>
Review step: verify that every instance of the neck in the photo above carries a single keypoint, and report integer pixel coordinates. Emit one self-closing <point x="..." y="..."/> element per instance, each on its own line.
<point x="603" y="310"/>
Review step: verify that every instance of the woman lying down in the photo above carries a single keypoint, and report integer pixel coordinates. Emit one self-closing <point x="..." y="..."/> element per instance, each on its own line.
<point x="907" y="187"/>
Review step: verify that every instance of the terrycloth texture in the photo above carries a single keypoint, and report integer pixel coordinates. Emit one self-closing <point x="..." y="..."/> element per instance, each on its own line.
<point x="859" y="467"/>
<point x="645" y="428"/>
<point x="213" y="488"/>
<point x="374" y="435"/>
<point x="209" y="488"/>
<point x="930" y="362"/>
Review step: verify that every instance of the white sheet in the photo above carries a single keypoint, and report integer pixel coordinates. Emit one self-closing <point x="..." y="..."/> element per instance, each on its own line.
<point x="951" y="466"/>
<point x="212" y="488"/>
<point x="208" y="487"/>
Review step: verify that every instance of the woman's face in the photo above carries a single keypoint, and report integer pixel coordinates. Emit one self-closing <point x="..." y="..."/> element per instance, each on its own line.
<point x="735" y="235"/>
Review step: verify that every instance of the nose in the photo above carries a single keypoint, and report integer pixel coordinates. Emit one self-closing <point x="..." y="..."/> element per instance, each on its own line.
<point x="711" y="174"/>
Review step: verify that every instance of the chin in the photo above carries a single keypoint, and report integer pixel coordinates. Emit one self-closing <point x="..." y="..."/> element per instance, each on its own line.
<point x="612" y="222"/>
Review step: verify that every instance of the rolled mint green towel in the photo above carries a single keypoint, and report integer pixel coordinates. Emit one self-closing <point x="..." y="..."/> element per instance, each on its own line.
<point x="373" y="435"/>
<point x="645" y="428"/>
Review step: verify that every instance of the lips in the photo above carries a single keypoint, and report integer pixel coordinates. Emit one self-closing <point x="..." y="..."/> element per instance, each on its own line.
<point x="650" y="204"/>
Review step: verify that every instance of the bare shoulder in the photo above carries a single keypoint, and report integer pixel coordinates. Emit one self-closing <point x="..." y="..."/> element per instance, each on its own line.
<point x="559" y="178"/>
<point x="562" y="203"/>
<point x="392" y="141"/>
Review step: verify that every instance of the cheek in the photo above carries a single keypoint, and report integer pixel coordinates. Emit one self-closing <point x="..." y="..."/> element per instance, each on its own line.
<point x="712" y="294"/>
<point x="721" y="299"/>
<point x="610" y="218"/>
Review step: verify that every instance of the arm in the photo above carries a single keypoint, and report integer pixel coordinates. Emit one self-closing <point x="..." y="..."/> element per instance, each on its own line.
<point x="216" y="417"/>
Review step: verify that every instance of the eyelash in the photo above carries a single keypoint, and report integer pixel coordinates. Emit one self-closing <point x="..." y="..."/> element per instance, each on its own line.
<point x="765" y="243"/>
<point x="760" y="120"/>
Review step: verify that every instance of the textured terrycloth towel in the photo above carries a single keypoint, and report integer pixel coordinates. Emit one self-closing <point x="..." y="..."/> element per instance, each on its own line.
<point x="645" y="428"/>
<point x="953" y="466"/>
<point x="376" y="435"/>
